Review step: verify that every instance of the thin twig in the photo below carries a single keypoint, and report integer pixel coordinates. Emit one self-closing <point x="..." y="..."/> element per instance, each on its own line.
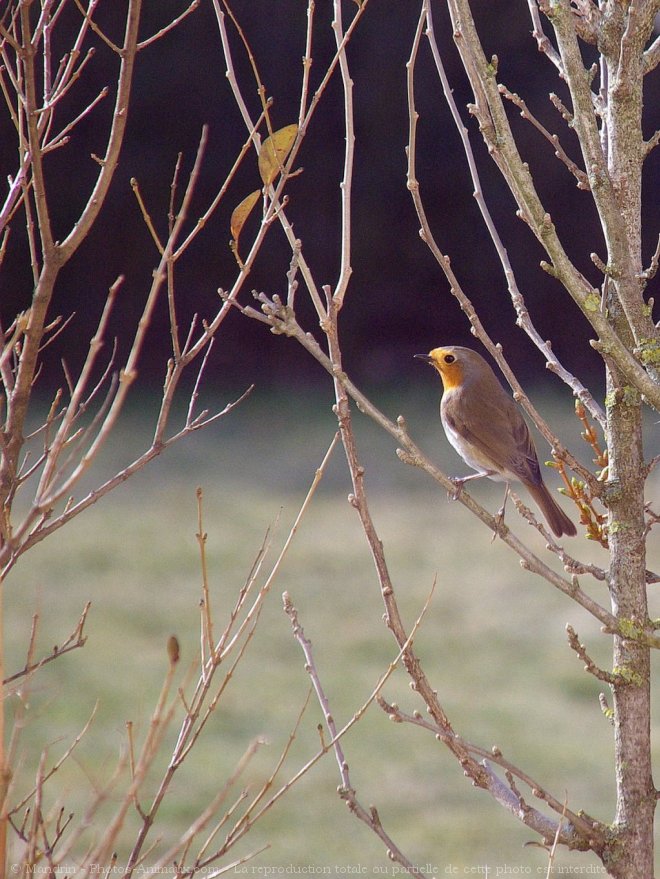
<point x="346" y="185"/>
<point x="75" y="640"/>
<point x="196" y="717"/>
<point x="251" y="813"/>
<point x="45" y="774"/>
<point x="542" y="41"/>
<point x="370" y="817"/>
<point x="170" y="26"/>
<point x="50" y="525"/>
<point x="208" y="641"/>
<point x="553" y="139"/>
<point x="582" y="824"/>
<point x="589" y="665"/>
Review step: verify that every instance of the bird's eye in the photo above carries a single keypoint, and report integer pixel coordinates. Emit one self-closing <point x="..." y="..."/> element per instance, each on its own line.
<point x="449" y="358"/>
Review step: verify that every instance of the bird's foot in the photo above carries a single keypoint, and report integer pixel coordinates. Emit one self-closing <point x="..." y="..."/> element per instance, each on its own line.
<point x="458" y="487"/>
<point x="499" y="527"/>
<point x="499" y="518"/>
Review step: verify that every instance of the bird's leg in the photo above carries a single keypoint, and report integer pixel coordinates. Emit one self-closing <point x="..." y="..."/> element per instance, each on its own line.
<point x="459" y="482"/>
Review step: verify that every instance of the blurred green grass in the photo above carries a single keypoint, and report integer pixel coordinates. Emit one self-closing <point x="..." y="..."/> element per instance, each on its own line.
<point x="493" y="642"/>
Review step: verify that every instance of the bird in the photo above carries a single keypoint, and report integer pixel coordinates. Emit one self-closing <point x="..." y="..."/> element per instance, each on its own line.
<point x="485" y="426"/>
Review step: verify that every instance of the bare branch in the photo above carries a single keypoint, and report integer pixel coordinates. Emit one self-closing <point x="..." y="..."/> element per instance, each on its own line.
<point x="34" y="146"/>
<point x="120" y="116"/>
<point x="543" y="43"/>
<point x="256" y="141"/>
<point x="208" y="641"/>
<point x="201" y="222"/>
<point x="651" y="143"/>
<point x="73" y="641"/>
<point x="168" y="27"/>
<point x="135" y="186"/>
<point x="307" y="63"/>
<point x="583" y="832"/>
<point x="553" y="139"/>
<point x="601" y="182"/>
<point x="589" y="664"/>
<point x="45" y="775"/>
<point x="652" y="56"/>
<point x="89" y="21"/>
<point x="252" y="813"/>
<point x="72" y="410"/>
<point x="346" y="185"/>
<point x="74" y="509"/>
<point x="346" y="791"/>
<point x="325" y="748"/>
<point x="650" y="273"/>
<point x="196" y="714"/>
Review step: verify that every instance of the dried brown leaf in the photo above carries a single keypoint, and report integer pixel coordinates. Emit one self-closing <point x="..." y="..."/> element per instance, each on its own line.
<point x="173" y="649"/>
<point x="240" y="214"/>
<point x="274" y="151"/>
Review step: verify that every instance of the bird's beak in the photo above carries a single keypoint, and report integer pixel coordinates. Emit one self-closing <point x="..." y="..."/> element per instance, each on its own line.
<point x="424" y="357"/>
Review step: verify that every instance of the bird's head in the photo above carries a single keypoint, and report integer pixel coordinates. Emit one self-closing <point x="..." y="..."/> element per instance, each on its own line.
<point x="451" y="363"/>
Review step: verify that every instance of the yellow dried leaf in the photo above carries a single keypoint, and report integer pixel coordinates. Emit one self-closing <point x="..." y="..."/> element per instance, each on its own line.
<point x="240" y="214"/>
<point x="274" y="151"/>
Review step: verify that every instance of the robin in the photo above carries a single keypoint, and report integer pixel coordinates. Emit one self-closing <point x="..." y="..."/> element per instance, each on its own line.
<point x="485" y="426"/>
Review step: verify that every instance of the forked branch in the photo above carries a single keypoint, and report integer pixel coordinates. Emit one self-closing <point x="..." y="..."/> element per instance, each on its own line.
<point x="76" y="639"/>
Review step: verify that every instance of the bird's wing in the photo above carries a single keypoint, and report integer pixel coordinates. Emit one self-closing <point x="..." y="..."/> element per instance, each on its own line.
<point x="494" y="425"/>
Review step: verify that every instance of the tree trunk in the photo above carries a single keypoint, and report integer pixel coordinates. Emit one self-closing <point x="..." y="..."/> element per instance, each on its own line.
<point x="632" y="855"/>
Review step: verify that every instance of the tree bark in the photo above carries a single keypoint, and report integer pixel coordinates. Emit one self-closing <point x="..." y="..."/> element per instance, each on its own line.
<point x="632" y="855"/>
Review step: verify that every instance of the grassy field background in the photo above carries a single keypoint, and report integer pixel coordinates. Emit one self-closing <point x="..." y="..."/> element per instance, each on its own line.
<point x="493" y="642"/>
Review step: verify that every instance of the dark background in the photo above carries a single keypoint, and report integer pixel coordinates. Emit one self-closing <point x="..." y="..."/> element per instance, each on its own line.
<point x="398" y="301"/>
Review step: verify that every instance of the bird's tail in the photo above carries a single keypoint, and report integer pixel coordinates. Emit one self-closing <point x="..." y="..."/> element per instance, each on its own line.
<point x="555" y="516"/>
